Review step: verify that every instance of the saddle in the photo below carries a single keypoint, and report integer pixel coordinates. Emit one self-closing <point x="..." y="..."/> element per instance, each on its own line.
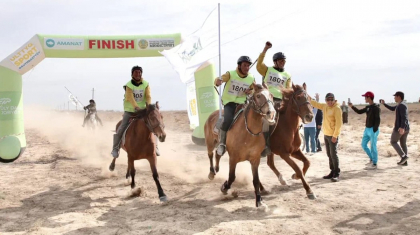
<point x="239" y="109"/>
<point x="139" y="115"/>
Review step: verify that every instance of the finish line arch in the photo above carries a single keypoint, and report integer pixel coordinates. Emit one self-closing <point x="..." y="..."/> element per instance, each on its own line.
<point x="39" y="47"/>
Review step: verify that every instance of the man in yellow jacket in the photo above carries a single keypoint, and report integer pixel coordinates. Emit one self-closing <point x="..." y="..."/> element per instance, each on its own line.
<point x="275" y="78"/>
<point x="332" y="123"/>
<point x="239" y="83"/>
<point x="137" y="97"/>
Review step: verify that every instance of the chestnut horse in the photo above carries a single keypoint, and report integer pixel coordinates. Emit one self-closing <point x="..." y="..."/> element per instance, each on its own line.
<point x="244" y="140"/>
<point x="140" y="144"/>
<point x="285" y="140"/>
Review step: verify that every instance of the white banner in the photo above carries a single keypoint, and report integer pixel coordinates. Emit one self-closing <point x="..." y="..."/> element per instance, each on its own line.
<point x="75" y="101"/>
<point x="26" y="57"/>
<point x="192" y="105"/>
<point x="196" y="49"/>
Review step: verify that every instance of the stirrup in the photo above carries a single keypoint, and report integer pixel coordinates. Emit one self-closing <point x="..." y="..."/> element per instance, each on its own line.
<point x="221" y="149"/>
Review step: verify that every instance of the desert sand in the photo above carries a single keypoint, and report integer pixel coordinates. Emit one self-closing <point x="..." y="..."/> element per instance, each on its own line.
<point x="62" y="185"/>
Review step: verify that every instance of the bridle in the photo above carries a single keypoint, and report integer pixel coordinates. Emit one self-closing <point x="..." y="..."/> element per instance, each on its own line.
<point x="258" y="109"/>
<point x="150" y="127"/>
<point x="298" y="104"/>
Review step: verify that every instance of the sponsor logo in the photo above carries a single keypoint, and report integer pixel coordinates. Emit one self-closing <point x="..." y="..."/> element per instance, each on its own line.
<point x="25" y="56"/>
<point x="50" y="43"/>
<point x="64" y="43"/>
<point x="111" y="44"/>
<point x="5" y="101"/>
<point x="154" y="44"/>
<point x="143" y="44"/>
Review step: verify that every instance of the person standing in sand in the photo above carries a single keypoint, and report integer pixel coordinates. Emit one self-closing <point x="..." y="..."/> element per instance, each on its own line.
<point x="371" y="133"/>
<point x="401" y="127"/>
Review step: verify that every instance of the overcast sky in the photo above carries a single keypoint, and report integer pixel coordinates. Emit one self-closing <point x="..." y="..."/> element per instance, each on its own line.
<point x="344" y="47"/>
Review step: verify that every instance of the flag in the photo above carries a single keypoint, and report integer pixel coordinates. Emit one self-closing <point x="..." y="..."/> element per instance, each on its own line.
<point x="75" y="101"/>
<point x="199" y="47"/>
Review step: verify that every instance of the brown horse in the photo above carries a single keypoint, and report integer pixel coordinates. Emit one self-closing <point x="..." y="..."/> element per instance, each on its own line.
<point x="244" y="139"/>
<point x="285" y="140"/>
<point x="140" y="144"/>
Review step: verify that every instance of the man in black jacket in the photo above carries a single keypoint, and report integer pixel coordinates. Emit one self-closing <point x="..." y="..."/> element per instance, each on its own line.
<point x="318" y="121"/>
<point x="373" y="119"/>
<point x="401" y="126"/>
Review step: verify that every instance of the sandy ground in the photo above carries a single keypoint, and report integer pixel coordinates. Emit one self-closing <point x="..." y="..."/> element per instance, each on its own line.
<point x="61" y="185"/>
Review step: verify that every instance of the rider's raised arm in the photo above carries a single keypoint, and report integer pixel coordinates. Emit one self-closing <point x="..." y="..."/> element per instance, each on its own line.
<point x="289" y="83"/>
<point x="129" y="96"/>
<point x="261" y="67"/>
<point x="148" y="95"/>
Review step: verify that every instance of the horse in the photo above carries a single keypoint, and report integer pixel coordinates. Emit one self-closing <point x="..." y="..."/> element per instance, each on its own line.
<point x="92" y="123"/>
<point x="244" y="140"/>
<point x="140" y="144"/>
<point x="285" y="140"/>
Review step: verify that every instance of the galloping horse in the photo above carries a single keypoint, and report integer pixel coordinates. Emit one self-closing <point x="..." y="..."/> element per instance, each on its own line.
<point x="244" y="139"/>
<point x="285" y="140"/>
<point x="140" y="144"/>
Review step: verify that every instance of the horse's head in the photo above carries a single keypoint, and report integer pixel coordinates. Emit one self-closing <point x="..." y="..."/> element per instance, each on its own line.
<point x="154" y="121"/>
<point x="262" y="103"/>
<point x="301" y="103"/>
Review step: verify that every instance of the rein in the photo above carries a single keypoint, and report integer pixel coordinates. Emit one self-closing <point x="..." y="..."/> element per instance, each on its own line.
<point x="257" y="110"/>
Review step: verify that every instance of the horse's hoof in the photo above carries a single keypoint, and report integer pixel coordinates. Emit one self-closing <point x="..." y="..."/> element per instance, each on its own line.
<point x="311" y="196"/>
<point x="217" y="168"/>
<point x="211" y="176"/>
<point x="294" y="177"/>
<point x="163" y="198"/>
<point x="282" y="181"/>
<point x="261" y="205"/>
<point x="224" y="189"/>
<point x="112" y="167"/>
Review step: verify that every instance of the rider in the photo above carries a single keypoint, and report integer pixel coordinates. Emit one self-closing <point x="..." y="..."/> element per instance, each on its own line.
<point x="274" y="79"/>
<point x="91" y="110"/>
<point x="137" y="97"/>
<point x="239" y="83"/>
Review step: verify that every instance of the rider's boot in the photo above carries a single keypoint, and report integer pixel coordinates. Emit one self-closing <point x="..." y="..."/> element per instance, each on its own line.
<point x="157" y="149"/>
<point x="116" y="146"/>
<point x="267" y="149"/>
<point x="222" y="143"/>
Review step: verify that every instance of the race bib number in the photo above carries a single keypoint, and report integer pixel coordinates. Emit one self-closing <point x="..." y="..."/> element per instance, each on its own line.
<point x="138" y="95"/>
<point x="237" y="88"/>
<point x="274" y="80"/>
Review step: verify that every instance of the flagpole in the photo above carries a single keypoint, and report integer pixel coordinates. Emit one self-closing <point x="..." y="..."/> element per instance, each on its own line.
<point x="220" y="66"/>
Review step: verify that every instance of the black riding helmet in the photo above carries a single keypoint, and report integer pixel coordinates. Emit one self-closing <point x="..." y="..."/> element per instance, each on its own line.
<point x="244" y="59"/>
<point x="279" y="56"/>
<point x="136" y="68"/>
<point x="91" y="101"/>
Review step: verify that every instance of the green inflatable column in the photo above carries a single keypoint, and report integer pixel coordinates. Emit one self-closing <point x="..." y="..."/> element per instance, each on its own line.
<point x="207" y="100"/>
<point x="12" y="136"/>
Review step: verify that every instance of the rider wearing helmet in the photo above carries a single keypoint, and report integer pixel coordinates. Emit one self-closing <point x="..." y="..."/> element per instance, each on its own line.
<point x="274" y="79"/>
<point x="239" y="83"/>
<point x="91" y="110"/>
<point x="137" y="97"/>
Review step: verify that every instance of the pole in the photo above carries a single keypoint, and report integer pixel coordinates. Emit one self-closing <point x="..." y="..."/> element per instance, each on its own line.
<point x="93" y="93"/>
<point x="220" y="65"/>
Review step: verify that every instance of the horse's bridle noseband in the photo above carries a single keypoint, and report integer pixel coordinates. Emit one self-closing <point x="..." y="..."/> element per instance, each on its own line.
<point x="302" y="102"/>
<point x="150" y="127"/>
<point x="258" y="108"/>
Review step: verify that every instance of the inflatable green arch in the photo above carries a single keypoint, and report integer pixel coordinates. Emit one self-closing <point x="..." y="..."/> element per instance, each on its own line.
<point x="12" y="133"/>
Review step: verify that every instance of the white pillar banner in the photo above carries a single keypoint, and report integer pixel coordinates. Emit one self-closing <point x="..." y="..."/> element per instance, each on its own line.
<point x="192" y="105"/>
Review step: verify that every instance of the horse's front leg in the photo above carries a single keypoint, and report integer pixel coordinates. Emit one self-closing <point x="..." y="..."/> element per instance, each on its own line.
<point x="301" y="157"/>
<point x="270" y="163"/>
<point x="162" y="195"/>
<point x="232" y="168"/>
<point x="256" y="181"/>
<point x="299" y="174"/>
<point x="132" y="171"/>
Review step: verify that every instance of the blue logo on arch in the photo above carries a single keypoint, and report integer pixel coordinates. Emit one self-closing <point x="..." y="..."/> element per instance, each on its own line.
<point x="50" y="43"/>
